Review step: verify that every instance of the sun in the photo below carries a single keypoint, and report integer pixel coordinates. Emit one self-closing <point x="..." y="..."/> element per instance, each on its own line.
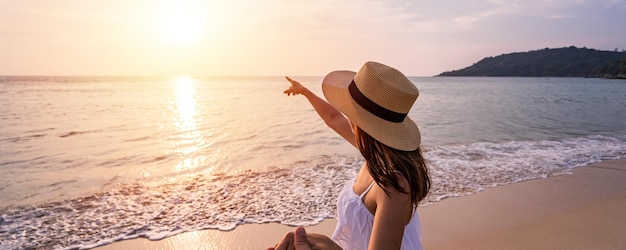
<point x="182" y="24"/>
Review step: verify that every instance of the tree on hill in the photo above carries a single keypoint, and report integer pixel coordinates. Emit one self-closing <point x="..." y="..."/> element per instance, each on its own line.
<point x="616" y="69"/>
<point x="560" y="62"/>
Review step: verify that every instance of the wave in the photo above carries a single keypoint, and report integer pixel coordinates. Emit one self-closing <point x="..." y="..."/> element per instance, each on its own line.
<point x="459" y="170"/>
<point x="72" y="133"/>
<point x="303" y="194"/>
<point x="22" y="138"/>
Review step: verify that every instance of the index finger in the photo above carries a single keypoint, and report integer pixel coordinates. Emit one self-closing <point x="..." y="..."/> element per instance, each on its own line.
<point x="286" y="243"/>
<point x="290" y="80"/>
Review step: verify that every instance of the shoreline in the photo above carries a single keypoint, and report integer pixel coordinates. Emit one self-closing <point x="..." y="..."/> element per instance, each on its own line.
<point x="582" y="210"/>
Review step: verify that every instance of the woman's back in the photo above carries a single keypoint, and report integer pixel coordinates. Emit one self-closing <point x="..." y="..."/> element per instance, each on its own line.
<point x="355" y="222"/>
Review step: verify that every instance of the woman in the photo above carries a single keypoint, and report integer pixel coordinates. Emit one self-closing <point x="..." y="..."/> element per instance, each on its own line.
<point x="376" y="210"/>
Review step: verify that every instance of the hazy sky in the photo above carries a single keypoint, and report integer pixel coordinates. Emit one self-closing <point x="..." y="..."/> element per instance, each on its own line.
<point x="290" y="37"/>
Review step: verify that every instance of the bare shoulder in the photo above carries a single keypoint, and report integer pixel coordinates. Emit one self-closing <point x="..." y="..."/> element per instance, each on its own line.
<point x="392" y="193"/>
<point x="403" y="183"/>
<point x="393" y="200"/>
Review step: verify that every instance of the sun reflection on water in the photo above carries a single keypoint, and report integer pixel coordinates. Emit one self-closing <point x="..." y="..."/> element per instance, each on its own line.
<point x="185" y="104"/>
<point x="189" y="138"/>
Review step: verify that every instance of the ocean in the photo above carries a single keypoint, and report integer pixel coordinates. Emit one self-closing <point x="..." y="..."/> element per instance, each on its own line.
<point x="85" y="161"/>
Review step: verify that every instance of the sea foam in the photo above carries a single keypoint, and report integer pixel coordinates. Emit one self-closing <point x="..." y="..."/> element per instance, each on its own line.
<point x="303" y="194"/>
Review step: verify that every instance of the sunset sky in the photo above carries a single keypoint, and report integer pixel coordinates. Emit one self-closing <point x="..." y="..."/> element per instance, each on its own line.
<point x="290" y="37"/>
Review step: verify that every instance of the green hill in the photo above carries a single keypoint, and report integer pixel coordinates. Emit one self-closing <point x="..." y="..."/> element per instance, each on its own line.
<point x="560" y="62"/>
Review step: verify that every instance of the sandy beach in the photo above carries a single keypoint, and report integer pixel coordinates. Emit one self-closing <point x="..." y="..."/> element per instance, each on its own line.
<point x="583" y="210"/>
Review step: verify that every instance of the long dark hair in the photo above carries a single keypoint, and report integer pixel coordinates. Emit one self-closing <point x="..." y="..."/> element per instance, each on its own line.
<point x="385" y="163"/>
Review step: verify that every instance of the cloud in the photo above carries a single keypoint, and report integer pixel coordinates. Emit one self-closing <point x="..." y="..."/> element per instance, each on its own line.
<point x="445" y="20"/>
<point x="560" y="16"/>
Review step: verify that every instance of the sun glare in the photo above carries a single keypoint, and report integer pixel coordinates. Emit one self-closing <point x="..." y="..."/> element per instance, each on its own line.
<point x="182" y="24"/>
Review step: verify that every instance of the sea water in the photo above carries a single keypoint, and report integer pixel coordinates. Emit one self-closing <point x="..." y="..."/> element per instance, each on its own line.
<point x="86" y="161"/>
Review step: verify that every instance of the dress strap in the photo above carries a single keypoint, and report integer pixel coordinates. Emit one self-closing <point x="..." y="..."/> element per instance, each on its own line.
<point x="367" y="190"/>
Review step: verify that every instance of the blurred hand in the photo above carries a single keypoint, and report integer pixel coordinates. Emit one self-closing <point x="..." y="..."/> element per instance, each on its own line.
<point x="301" y="241"/>
<point x="287" y="243"/>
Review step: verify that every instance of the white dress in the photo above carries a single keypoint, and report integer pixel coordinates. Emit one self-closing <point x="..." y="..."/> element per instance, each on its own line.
<point x="355" y="222"/>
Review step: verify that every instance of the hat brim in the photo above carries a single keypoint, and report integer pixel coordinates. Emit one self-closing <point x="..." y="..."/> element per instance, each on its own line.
<point x="403" y="135"/>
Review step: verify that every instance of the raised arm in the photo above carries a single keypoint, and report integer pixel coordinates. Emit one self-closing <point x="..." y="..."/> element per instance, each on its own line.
<point x="331" y="116"/>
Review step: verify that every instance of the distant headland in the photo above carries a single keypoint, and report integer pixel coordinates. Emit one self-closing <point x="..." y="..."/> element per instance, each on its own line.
<point x="559" y="62"/>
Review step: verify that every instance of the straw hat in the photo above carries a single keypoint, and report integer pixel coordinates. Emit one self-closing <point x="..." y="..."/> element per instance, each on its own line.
<point x="378" y="99"/>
